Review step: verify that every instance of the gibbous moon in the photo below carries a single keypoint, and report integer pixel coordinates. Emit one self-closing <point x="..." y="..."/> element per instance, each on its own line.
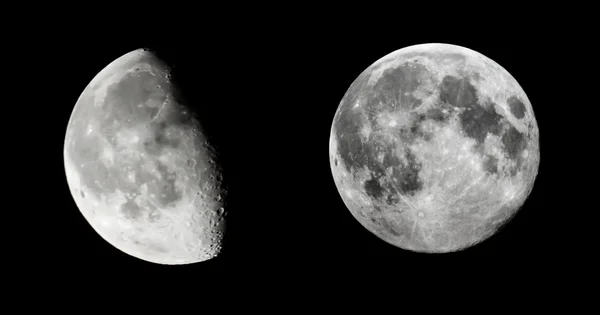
<point x="434" y="147"/>
<point x="140" y="168"/>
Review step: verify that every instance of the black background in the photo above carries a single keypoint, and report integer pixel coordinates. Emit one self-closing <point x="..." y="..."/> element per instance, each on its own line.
<point x="268" y="89"/>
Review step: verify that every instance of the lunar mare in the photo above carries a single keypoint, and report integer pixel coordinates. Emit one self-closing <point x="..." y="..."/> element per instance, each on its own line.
<point x="434" y="147"/>
<point x="140" y="168"/>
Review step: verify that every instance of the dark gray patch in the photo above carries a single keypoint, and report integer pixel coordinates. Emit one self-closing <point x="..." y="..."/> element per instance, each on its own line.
<point x="389" y="91"/>
<point x="514" y="143"/>
<point x="373" y="188"/>
<point x="436" y="114"/>
<point x="457" y="92"/>
<point x="477" y="122"/>
<point x="165" y="190"/>
<point x="415" y="127"/>
<point x="151" y="146"/>
<point x="161" y="139"/>
<point x="393" y="198"/>
<point x="517" y="108"/>
<point x="158" y="140"/>
<point x="427" y="136"/>
<point x="82" y="193"/>
<point x="136" y="88"/>
<point x="130" y="209"/>
<point x="490" y="164"/>
<point x="357" y="154"/>
<point x="405" y="178"/>
<point x="479" y="117"/>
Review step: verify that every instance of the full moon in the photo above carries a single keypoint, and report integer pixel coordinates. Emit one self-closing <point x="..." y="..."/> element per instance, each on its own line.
<point x="141" y="169"/>
<point x="434" y="148"/>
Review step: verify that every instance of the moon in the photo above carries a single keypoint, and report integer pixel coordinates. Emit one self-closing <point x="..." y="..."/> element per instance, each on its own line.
<point x="434" y="148"/>
<point x="140" y="167"/>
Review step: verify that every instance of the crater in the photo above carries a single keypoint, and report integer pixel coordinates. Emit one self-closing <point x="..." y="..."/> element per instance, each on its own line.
<point x="517" y="108"/>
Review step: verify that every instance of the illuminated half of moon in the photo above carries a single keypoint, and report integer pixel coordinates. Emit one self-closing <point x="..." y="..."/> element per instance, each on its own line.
<point x="140" y="168"/>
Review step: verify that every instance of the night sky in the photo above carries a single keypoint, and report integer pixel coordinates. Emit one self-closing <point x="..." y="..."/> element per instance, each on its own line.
<point x="268" y="91"/>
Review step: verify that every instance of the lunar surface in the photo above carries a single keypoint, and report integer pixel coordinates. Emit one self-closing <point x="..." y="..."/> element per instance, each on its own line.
<point x="140" y="168"/>
<point x="434" y="147"/>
